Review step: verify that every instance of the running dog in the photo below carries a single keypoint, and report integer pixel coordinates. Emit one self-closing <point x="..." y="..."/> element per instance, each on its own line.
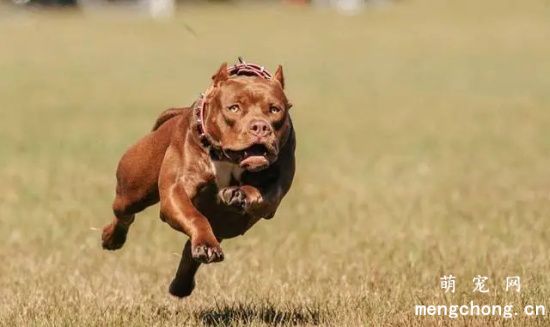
<point x="216" y="167"/>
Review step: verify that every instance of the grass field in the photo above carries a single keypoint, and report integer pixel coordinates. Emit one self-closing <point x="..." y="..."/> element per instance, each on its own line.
<point x="423" y="150"/>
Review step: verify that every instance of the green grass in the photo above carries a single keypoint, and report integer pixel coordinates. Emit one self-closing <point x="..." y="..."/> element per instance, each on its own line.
<point x="423" y="150"/>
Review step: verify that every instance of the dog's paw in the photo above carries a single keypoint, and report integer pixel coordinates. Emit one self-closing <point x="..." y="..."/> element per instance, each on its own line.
<point x="233" y="197"/>
<point x="181" y="288"/>
<point x="113" y="236"/>
<point x="242" y="198"/>
<point x="206" y="251"/>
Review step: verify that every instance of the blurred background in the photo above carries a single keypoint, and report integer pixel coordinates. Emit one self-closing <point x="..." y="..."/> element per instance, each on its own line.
<point x="167" y="8"/>
<point x="423" y="149"/>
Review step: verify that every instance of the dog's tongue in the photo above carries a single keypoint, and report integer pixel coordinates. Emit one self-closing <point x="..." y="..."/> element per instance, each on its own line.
<point x="254" y="163"/>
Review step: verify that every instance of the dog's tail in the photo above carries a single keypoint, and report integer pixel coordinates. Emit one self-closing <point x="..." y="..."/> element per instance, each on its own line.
<point x="166" y="115"/>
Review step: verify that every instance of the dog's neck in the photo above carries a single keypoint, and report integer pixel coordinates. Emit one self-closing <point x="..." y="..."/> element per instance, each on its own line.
<point x="226" y="173"/>
<point x="213" y="148"/>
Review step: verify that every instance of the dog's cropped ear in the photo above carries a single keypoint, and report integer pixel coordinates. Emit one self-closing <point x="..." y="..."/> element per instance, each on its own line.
<point x="289" y="105"/>
<point x="221" y="75"/>
<point x="279" y="77"/>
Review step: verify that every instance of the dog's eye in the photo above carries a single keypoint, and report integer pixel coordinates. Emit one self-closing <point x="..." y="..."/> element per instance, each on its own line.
<point x="233" y="108"/>
<point x="274" y="109"/>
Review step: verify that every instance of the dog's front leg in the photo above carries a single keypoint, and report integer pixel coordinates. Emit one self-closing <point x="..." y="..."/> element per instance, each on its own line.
<point x="179" y="212"/>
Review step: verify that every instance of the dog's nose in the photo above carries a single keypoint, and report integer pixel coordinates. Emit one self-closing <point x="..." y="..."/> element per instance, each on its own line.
<point x="260" y="128"/>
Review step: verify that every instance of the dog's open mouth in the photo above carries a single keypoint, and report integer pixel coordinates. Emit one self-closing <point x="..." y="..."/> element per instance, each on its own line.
<point x="254" y="150"/>
<point x="253" y="158"/>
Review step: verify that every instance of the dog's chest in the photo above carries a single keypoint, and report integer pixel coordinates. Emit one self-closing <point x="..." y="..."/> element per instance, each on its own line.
<point x="225" y="172"/>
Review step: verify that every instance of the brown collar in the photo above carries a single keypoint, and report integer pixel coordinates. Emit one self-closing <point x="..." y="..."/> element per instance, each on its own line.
<point x="214" y="148"/>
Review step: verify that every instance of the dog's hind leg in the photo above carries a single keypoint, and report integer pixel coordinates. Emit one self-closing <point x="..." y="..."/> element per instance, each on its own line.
<point x="184" y="281"/>
<point x="125" y="209"/>
<point x="137" y="180"/>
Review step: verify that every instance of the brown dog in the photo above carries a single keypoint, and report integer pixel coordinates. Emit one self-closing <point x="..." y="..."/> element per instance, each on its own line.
<point x="216" y="167"/>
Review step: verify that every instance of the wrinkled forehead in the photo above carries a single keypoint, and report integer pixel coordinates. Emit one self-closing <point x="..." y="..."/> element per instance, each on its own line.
<point x="244" y="89"/>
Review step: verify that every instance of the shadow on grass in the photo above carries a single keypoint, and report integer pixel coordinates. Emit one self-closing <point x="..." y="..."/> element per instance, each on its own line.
<point x="228" y="315"/>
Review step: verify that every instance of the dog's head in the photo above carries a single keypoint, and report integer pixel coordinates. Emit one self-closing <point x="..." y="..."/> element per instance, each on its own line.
<point x="248" y="117"/>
